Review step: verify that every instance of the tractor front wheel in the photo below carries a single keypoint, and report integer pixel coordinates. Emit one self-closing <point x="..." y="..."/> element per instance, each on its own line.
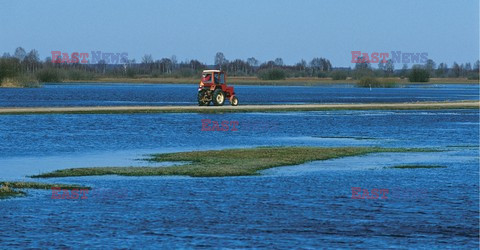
<point x="234" y="101"/>
<point x="218" y="97"/>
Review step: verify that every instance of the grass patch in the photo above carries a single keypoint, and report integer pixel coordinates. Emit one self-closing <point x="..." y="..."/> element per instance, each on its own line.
<point x="228" y="162"/>
<point x="9" y="189"/>
<point x="417" y="166"/>
<point x="7" y="192"/>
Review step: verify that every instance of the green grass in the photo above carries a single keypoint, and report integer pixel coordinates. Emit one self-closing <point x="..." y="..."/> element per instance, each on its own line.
<point x="416" y="166"/>
<point x="9" y="189"/>
<point x="228" y="162"/>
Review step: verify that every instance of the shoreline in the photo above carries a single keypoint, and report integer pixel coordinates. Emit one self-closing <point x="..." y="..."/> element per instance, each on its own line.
<point x="235" y="80"/>
<point x="294" y="81"/>
<point x="240" y="108"/>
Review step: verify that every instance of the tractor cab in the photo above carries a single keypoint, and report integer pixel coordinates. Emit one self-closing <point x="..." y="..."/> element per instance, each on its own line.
<point x="210" y="77"/>
<point x="213" y="88"/>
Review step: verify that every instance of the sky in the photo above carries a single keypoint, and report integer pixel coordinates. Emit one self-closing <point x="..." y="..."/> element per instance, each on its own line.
<point x="448" y="30"/>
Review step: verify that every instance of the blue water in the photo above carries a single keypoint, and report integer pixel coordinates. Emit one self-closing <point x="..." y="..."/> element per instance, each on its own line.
<point x="186" y="94"/>
<point x="309" y="205"/>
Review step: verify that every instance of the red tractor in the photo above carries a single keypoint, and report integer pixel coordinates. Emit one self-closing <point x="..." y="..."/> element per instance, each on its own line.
<point x="213" y="88"/>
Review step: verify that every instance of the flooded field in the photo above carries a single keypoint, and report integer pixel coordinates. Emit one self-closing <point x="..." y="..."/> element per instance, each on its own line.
<point x="310" y="204"/>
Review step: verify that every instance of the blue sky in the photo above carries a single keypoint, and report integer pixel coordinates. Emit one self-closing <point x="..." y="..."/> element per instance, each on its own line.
<point x="448" y="30"/>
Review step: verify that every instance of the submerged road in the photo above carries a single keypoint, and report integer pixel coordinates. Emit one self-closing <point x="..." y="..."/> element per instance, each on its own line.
<point x="240" y="108"/>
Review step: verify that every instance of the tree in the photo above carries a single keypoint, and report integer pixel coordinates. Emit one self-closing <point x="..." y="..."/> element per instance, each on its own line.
<point x="31" y="60"/>
<point x="252" y="61"/>
<point x="456" y="69"/>
<point x="147" y="59"/>
<point x="430" y="66"/>
<point x="302" y="65"/>
<point x="102" y="66"/>
<point x="270" y="65"/>
<point x="441" y="70"/>
<point x="468" y="67"/>
<point x="196" y="65"/>
<point x="474" y="73"/>
<point x="279" y="61"/>
<point x="147" y="63"/>
<point x="220" y="59"/>
<point x="404" y="71"/>
<point x="320" y="65"/>
<point x="166" y="65"/>
<point x="20" y="53"/>
<point x="238" y="66"/>
<point x="381" y="66"/>
<point x="462" y="70"/>
<point x="362" y="64"/>
<point x="174" y="61"/>
<point x="389" y="67"/>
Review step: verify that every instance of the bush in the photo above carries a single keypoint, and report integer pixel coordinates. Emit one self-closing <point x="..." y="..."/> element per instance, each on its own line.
<point x="339" y="75"/>
<point x="49" y="75"/>
<point x="419" y="75"/>
<point x="372" y="82"/>
<point x="75" y="74"/>
<point x="473" y="76"/>
<point x="131" y="73"/>
<point x="272" y="74"/>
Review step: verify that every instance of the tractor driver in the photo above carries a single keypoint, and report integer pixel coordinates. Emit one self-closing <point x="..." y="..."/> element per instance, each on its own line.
<point x="206" y="77"/>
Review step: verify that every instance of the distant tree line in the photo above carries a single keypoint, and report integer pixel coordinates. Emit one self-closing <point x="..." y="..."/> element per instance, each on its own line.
<point x="27" y="67"/>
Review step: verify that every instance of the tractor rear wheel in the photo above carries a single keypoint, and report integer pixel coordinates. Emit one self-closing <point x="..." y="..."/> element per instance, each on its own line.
<point x="218" y="97"/>
<point x="234" y="101"/>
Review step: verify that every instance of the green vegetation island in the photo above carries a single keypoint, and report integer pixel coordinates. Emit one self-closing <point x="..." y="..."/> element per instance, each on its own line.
<point x="228" y="162"/>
